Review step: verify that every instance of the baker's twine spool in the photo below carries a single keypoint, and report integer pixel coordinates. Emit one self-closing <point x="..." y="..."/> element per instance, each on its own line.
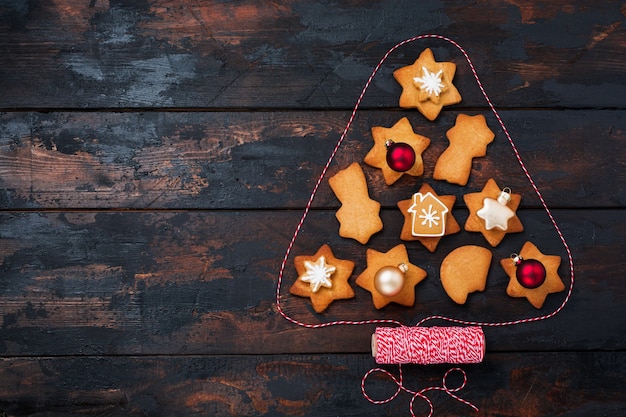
<point x="428" y="345"/>
<point x="425" y="346"/>
<point x="449" y="355"/>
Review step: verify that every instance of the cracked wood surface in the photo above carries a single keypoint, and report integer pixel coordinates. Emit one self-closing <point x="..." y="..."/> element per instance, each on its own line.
<point x="156" y="156"/>
<point x="288" y="54"/>
<point x="230" y="160"/>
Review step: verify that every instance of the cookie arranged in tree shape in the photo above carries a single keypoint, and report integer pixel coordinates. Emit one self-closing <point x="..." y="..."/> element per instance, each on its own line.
<point x="382" y="153"/>
<point x="428" y="217"/>
<point x="481" y="207"/>
<point x="358" y="215"/>
<point x="464" y="271"/>
<point x="532" y="274"/>
<point x="322" y="278"/>
<point x="427" y="85"/>
<point x="468" y="138"/>
<point x="390" y="277"/>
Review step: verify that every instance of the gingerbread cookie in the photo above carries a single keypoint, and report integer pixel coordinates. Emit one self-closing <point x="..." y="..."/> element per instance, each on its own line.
<point x="390" y="277"/>
<point x="468" y="138"/>
<point x="532" y="274"/>
<point x="358" y="215"/>
<point x="428" y="217"/>
<point x="490" y="216"/>
<point x="464" y="270"/>
<point x="427" y="85"/>
<point x="397" y="150"/>
<point x="322" y="278"/>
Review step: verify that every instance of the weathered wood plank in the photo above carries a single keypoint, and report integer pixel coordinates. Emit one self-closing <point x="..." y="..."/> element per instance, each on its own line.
<point x="575" y="384"/>
<point x="211" y="122"/>
<point x="272" y="159"/>
<point x="287" y="54"/>
<point x="204" y="282"/>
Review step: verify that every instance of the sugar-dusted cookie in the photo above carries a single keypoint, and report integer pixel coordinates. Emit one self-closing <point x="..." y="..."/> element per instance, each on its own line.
<point x="464" y="270"/>
<point x="428" y="217"/>
<point x="390" y="277"/>
<point x="468" y="138"/>
<point x="484" y="216"/>
<point x="427" y="85"/>
<point x="322" y="278"/>
<point x="358" y="215"/>
<point x="532" y="274"/>
<point x="399" y="134"/>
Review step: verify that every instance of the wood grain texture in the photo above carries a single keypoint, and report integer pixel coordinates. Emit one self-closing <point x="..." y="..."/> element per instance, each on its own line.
<point x="156" y="157"/>
<point x="508" y="384"/>
<point x="266" y="160"/>
<point x="187" y="282"/>
<point x="288" y="54"/>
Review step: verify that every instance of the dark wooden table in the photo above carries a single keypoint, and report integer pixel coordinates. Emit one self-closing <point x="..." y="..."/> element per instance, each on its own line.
<point x="156" y="156"/>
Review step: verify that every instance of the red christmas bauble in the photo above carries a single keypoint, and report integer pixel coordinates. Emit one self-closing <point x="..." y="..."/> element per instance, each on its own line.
<point x="530" y="273"/>
<point x="400" y="156"/>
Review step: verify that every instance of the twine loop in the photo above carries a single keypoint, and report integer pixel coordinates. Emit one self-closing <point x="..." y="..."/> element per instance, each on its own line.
<point x="309" y="203"/>
<point x="415" y="394"/>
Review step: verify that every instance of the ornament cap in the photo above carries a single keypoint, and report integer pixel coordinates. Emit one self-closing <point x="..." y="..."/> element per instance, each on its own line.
<point x="505" y="196"/>
<point x="517" y="259"/>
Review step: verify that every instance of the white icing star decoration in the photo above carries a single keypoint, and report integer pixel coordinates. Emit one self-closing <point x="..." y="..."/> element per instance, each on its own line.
<point x="318" y="274"/>
<point x="430" y="82"/>
<point x="495" y="214"/>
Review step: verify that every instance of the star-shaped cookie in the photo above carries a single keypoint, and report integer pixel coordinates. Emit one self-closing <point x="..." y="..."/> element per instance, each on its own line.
<point x="401" y="132"/>
<point x="339" y="289"/>
<point x="427" y="85"/>
<point x="451" y="225"/>
<point x="474" y="223"/>
<point x="394" y="257"/>
<point x="552" y="284"/>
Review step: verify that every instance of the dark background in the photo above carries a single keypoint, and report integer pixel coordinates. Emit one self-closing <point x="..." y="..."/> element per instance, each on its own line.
<point x="156" y="156"/>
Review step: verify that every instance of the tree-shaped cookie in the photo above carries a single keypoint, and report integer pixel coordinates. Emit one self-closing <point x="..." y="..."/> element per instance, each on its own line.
<point x="468" y="138"/>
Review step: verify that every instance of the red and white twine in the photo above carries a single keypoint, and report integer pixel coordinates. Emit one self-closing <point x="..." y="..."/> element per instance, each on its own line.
<point x="399" y="381"/>
<point x="428" y="345"/>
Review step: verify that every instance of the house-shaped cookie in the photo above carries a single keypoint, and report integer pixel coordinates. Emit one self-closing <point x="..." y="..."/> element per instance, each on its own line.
<point x="428" y="215"/>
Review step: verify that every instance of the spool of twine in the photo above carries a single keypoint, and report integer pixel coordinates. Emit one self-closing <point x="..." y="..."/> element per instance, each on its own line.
<point x="428" y="345"/>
